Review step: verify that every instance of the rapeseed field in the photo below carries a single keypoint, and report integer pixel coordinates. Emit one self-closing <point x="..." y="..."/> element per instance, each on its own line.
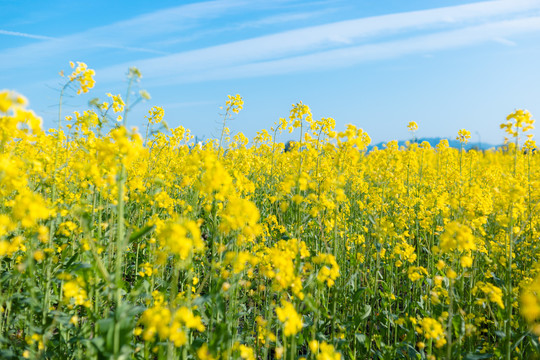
<point x="122" y="244"/>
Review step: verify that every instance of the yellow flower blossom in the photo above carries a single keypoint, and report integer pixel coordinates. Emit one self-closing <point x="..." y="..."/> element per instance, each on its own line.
<point x="291" y="320"/>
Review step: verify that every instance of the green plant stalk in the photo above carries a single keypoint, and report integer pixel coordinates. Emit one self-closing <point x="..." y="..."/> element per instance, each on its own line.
<point x="273" y="150"/>
<point x="269" y="314"/>
<point x="284" y="344"/>
<point x="46" y="298"/>
<point x="509" y="248"/>
<point x="509" y="295"/>
<point x="120" y="237"/>
<point x="227" y="115"/>
<point x="120" y="249"/>
<point x="450" y="317"/>
<point x="172" y="297"/>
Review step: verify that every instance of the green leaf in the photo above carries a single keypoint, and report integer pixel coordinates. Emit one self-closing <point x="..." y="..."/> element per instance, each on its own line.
<point x="361" y="338"/>
<point x="367" y="311"/>
<point x="478" y="356"/>
<point x="141" y="232"/>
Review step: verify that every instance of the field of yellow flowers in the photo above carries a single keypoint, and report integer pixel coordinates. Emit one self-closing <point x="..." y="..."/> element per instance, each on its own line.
<point x="114" y="245"/>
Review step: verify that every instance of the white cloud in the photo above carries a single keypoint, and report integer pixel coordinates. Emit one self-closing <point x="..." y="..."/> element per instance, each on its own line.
<point x="31" y="36"/>
<point x="329" y="45"/>
<point x="265" y="21"/>
<point x="131" y="48"/>
<point x="63" y="42"/>
<point x="125" y="35"/>
<point x="353" y="55"/>
<point x="504" y="41"/>
<point x="187" y="104"/>
<point x="279" y="19"/>
<point x="334" y="43"/>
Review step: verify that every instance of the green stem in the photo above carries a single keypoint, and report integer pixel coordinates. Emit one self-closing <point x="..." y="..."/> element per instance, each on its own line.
<point x="49" y="265"/>
<point x="120" y="237"/>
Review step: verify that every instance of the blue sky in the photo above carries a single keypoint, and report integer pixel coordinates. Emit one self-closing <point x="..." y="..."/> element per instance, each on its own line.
<point x="376" y="64"/>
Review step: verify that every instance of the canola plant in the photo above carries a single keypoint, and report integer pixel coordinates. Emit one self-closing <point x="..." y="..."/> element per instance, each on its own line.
<point x="114" y="245"/>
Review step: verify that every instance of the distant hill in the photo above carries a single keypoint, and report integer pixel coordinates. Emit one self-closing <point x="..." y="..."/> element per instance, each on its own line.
<point x="434" y="141"/>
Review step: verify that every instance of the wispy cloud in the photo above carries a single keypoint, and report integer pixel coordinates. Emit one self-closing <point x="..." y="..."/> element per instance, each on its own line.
<point x="335" y="44"/>
<point x="354" y="55"/>
<point x="64" y="44"/>
<point x="263" y="22"/>
<point x="345" y="42"/>
<point x="20" y="34"/>
<point x="280" y="19"/>
<point x="504" y="41"/>
<point x="131" y="48"/>
<point x="123" y="35"/>
<point x="44" y="37"/>
<point x="186" y="104"/>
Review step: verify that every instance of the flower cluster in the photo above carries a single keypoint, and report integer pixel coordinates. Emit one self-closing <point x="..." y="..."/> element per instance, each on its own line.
<point x="83" y="75"/>
<point x="323" y="247"/>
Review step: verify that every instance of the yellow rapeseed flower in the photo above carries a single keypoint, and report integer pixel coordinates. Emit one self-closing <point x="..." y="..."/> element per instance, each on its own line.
<point x="291" y="320"/>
